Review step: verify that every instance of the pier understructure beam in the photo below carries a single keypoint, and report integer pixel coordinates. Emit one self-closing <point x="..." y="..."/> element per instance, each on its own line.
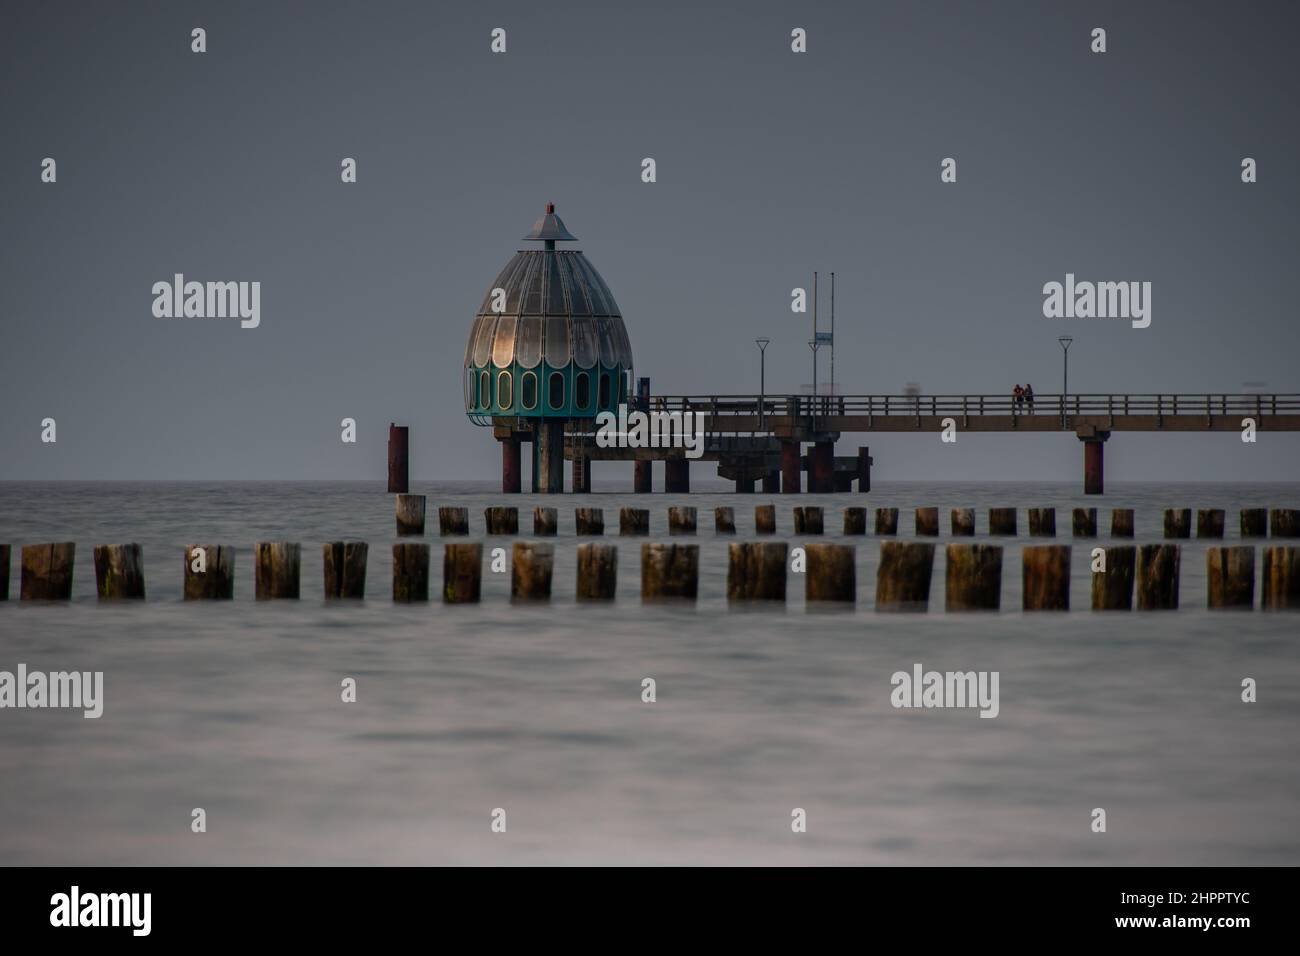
<point x="790" y="467"/>
<point x="677" y="475"/>
<point x="1094" y="472"/>
<point x="548" y="457"/>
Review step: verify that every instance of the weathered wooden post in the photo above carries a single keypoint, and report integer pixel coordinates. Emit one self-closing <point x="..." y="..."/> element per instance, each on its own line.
<point x="545" y="522"/>
<point x="1045" y="578"/>
<point x="4" y="572"/>
<point x="119" y="572"/>
<point x="670" y="571"/>
<point x="886" y="521"/>
<point x="831" y="574"/>
<point x="681" y="520"/>
<point x="1002" y="521"/>
<point x="209" y="572"/>
<point x="1085" y="522"/>
<point x="1042" y="522"/>
<point x="597" y="571"/>
<point x="453" y="521"/>
<point x="462" y="572"/>
<point x="855" y="521"/>
<point x="1254" y="522"/>
<point x="1284" y="523"/>
<point x="1157" y="580"/>
<point x="765" y="519"/>
<point x="1230" y="577"/>
<point x="276" y="570"/>
<point x="410" y="572"/>
<point x="501" y="520"/>
<point x="47" y="572"/>
<point x="1281" y="586"/>
<point x="345" y="569"/>
<point x="410" y="515"/>
<point x="724" y="521"/>
<point x="531" y="568"/>
<point x="963" y="522"/>
<point x="927" y="521"/>
<point x="756" y="571"/>
<point x="974" y="577"/>
<point x="634" y="521"/>
<point x="1121" y="522"/>
<point x="808" y="520"/>
<point x="1209" y="523"/>
<point x="398" y="458"/>
<point x="903" y="577"/>
<point x="589" y="521"/>
<point x="1178" y="522"/>
<point x="1112" y="589"/>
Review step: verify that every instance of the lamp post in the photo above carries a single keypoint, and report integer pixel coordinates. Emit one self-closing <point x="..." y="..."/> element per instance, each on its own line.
<point x="1065" y="341"/>
<point x="762" y="380"/>
<point x="813" y="345"/>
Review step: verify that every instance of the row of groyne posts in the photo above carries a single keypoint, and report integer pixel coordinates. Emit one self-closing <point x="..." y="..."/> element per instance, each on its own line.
<point x="757" y="570"/>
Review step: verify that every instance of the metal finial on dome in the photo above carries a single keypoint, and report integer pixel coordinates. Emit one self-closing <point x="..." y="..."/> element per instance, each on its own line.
<point x="550" y="228"/>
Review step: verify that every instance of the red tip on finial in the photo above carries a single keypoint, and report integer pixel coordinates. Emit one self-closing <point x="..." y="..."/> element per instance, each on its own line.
<point x="550" y="207"/>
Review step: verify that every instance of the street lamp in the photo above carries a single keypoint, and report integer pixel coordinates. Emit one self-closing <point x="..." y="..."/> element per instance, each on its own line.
<point x="813" y="345"/>
<point x="1065" y="341"/>
<point x="762" y="375"/>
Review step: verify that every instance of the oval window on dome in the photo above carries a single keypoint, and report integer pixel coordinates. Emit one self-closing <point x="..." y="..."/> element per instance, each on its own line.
<point x="505" y="390"/>
<point x="584" y="343"/>
<point x="555" y="390"/>
<point x="503" y="348"/>
<point x="604" y="395"/>
<point x="528" y="390"/>
<point x="557" y="340"/>
<point x="484" y="390"/>
<point x="528" y="348"/>
<point x="582" y="390"/>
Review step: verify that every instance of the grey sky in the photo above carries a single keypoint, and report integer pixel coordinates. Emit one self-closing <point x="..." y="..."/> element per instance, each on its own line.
<point x="225" y="166"/>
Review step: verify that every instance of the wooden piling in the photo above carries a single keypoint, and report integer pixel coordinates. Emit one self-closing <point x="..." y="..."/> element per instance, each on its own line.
<point x="345" y="569"/>
<point x="1045" y="577"/>
<point x="4" y="572"/>
<point x="973" y="577"/>
<point x="1085" y="522"/>
<point x="398" y="458"/>
<point x="1157" y="577"/>
<point x="1178" y="522"/>
<point x="634" y="521"/>
<point x="903" y="577"/>
<point x="855" y="521"/>
<point x="545" y="522"/>
<point x="47" y="572"/>
<point x="462" y="573"/>
<point x="1042" y="522"/>
<point x="963" y="522"/>
<point x="410" y="515"/>
<point x="1112" y="589"/>
<point x="119" y="572"/>
<point x="681" y="519"/>
<point x="1254" y="522"/>
<point x="765" y="519"/>
<point x="1121" y="523"/>
<point x="1280" y="590"/>
<point x="831" y="573"/>
<point x="886" y="521"/>
<point x="724" y="521"/>
<point x="927" y="521"/>
<point x="1209" y="523"/>
<point x="1230" y="577"/>
<point x="808" y="520"/>
<point x="597" y="571"/>
<point x="501" y="520"/>
<point x="1284" y="523"/>
<point x="209" y="572"/>
<point x="276" y="570"/>
<point x="670" y="571"/>
<point x="756" y="571"/>
<point x="589" y="521"/>
<point x="1002" y="521"/>
<point x="531" y="568"/>
<point x="410" y="572"/>
<point x="453" y="521"/>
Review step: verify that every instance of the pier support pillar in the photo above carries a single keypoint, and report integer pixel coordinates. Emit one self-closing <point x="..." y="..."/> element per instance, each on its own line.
<point x="581" y="473"/>
<point x="864" y="469"/>
<point x="677" y="476"/>
<point x="772" y="482"/>
<point x="1094" y="442"/>
<point x="821" y="467"/>
<point x="641" y="476"/>
<point x="398" y="459"/>
<point x="744" y="486"/>
<point x="511" y="469"/>
<point x="549" y="457"/>
<point x="790" y="467"/>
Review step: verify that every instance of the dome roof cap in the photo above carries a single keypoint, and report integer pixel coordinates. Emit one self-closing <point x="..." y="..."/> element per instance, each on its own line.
<point x="550" y="228"/>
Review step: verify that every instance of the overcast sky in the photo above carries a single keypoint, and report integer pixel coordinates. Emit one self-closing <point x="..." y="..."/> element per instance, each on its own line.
<point x="225" y="166"/>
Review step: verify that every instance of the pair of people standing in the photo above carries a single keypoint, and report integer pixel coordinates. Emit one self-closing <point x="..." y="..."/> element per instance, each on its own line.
<point x="1023" y="396"/>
